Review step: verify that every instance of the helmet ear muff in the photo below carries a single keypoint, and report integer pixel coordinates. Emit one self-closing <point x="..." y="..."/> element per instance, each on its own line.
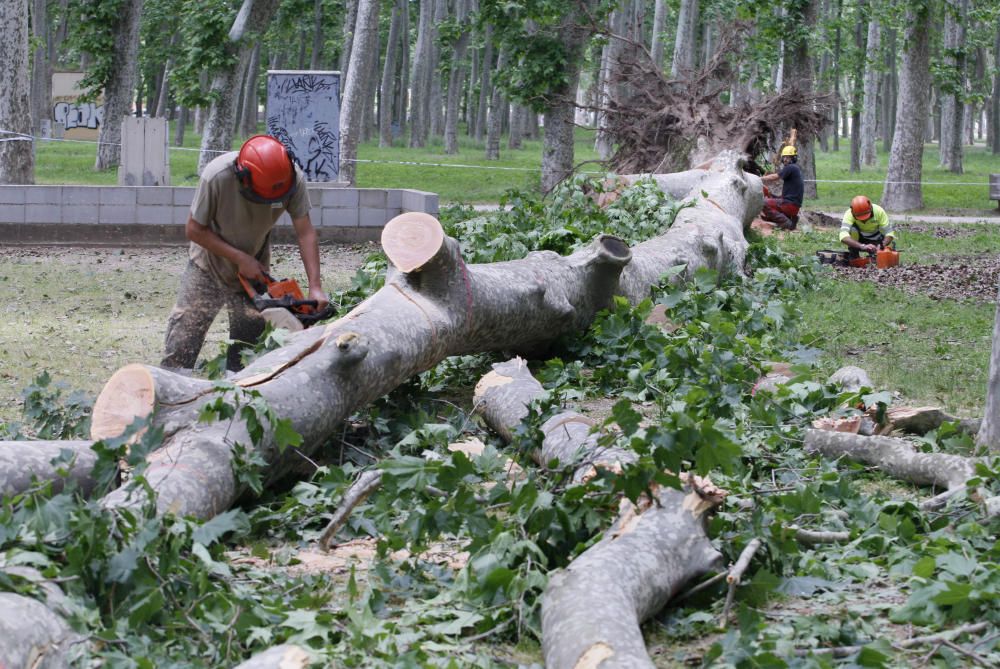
<point x="242" y="174"/>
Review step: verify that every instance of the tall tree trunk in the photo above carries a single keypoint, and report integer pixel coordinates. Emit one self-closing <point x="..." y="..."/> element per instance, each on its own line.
<point x="180" y="125"/>
<point x="994" y="124"/>
<point x="355" y="89"/>
<point x="435" y="101"/>
<point x="485" y="86"/>
<point x="316" y="60"/>
<point x="869" y="112"/>
<point x="857" y="88"/>
<point x="799" y="68"/>
<point x="611" y="57"/>
<point x="162" y="108"/>
<point x="120" y="85"/>
<point x="403" y="93"/>
<point x="369" y="125"/>
<point x="17" y="158"/>
<point x="989" y="431"/>
<point x="902" y="182"/>
<point x="472" y="95"/>
<point x="350" y="21"/>
<point x="421" y="79"/>
<point x="41" y="66"/>
<point x="837" y="40"/>
<point x="517" y="117"/>
<point x="891" y="92"/>
<point x="455" y="78"/>
<point x="684" y="42"/>
<point x="386" y="87"/>
<point x="253" y="18"/>
<point x="248" y="115"/>
<point x="557" y="141"/>
<point x="951" y="92"/>
<point x="496" y="115"/>
<point x="659" y="27"/>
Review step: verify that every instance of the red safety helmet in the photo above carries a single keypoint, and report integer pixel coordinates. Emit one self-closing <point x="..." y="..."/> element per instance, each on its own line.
<point x="265" y="170"/>
<point x="861" y="208"/>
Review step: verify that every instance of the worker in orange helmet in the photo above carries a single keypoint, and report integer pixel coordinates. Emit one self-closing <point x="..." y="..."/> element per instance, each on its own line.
<point x="866" y="227"/>
<point x="238" y="200"/>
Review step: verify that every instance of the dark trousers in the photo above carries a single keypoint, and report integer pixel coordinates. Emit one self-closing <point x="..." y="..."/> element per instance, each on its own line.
<point x="199" y="299"/>
<point x="781" y="211"/>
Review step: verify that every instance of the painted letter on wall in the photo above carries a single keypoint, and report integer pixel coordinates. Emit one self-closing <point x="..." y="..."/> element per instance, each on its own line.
<point x="303" y="111"/>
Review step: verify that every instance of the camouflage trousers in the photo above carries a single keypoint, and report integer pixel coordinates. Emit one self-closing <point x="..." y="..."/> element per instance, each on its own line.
<point x="199" y="299"/>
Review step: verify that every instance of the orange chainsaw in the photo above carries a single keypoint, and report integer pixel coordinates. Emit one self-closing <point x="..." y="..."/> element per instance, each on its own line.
<point x="883" y="258"/>
<point x="285" y="294"/>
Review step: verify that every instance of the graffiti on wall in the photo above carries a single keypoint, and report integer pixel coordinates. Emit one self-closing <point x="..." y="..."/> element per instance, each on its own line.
<point x="303" y="113"/>
<point x="78" y="114"/>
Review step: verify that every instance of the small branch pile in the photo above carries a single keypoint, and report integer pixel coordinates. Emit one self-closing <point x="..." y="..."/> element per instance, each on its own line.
<point x="664" y="125"/>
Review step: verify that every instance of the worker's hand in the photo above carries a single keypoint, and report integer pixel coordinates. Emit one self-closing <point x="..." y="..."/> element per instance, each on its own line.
<point x="322" y="299"/>
<point x="870" y="248"/>
<point x="251" y="268"/>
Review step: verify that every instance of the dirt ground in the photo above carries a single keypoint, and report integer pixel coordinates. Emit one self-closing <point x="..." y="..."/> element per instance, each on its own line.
<point x="82" y="313"/>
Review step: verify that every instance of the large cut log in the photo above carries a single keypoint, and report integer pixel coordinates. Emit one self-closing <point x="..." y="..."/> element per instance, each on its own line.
<point x="432" y="306"/>
<point x="22" y="462"/>
<point x="592" y="611"/>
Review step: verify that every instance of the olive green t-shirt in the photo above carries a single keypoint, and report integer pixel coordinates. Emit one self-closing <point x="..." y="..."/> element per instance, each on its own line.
<point x="243" y="224"/>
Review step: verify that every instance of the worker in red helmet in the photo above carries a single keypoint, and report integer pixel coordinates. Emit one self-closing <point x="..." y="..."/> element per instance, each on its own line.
<point x="866" y="227"/>
<point x="238" y="200"/>
<point x="784" y="210"/>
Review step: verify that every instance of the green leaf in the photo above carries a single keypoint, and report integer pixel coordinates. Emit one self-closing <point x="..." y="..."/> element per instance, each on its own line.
<point x="234" y="520"/>
<point x="924" y="567"/>
<point x="285" y="435"/>
<point x="954" y="594"/>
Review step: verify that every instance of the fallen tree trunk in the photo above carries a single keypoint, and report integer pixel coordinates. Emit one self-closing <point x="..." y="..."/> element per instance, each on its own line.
<point x="592" y="611"/>
<point x="22" y="462"/>
<point x="34" y="632"/>
<point x="433" y="306"/>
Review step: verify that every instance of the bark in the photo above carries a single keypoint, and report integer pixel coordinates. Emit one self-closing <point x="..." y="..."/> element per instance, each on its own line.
<point x="989" y="431"/>
<point x="248" y="115"/>
<point x="557" y="142"/>
<point x="610" y="63"/>
<point x="902" y="182"/>
<point x="687" y="24"/>
<point x="435" y="106"/>
<point x="455" y="78"/>
<point x="34" y="632"/>
<point x="369" y="126"/>
<point x="517" y="118"/>
<point x="472" y="96"/>
<point x="432" y="306"/>
<point x="485" y="86"/>
<point x="17" y="158"/>
<point x="253" y="18"/>
<point x="120" y="86"/>
<point x="24" y="461"/>
<point x="921" y="420"/>
<point x="857" y="92"/>
<point x="799" y="67"/>
<point x="41" y="65"/>
<point x="403" y="94"/>
<point x="350" y="22"/>
<point x="869" y="111"/>
<point x="594" y="608"/>
<point x="180" y="126"/>
<point x="421" y="79"/>
<point x="891" y="89"/>
<point x="355" y="89"/>
<point x="952" y="112"/>
<point x="386" y="87"/>
<point x="994" y="125"/>
<point x="497" y="103"/>
<point x="659" y="27"/>
<point x="895" y="457"/>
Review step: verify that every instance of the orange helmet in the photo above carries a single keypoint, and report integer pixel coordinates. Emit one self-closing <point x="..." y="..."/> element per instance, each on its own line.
<point x="265" y="170"/>
<point x="861" y="208"/>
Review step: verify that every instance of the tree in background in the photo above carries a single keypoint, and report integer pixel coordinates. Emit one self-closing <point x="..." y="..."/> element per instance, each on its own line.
<point x="352" y="106"/>
<point x="902" y="182"/>
<point x="17" y="164"/>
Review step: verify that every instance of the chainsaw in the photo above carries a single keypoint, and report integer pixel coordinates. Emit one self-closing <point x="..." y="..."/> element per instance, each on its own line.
<point x="285" y="294"/>
<point x="882" y="259"/>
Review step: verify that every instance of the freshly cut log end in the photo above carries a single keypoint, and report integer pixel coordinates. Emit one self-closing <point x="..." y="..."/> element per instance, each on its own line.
<point x="285" y="656"/>
<point x="130" y="393"/>
<point x="410" y="240"/>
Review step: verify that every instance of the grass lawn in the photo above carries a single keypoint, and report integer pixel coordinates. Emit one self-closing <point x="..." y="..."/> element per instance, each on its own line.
<point x="72" y="163"/>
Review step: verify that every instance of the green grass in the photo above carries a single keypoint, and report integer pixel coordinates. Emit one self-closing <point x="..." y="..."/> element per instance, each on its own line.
<point x="917" y="247"/>
<point x="979" y="163"/>
<point x="72" y="163"/>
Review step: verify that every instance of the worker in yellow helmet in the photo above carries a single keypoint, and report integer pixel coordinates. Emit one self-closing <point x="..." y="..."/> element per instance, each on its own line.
<point x="866" y="227"/>
<point x="784" y="210"/>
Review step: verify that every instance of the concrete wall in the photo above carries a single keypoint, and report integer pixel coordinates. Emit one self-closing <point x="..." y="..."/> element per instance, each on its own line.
<point x="157" y="214"/>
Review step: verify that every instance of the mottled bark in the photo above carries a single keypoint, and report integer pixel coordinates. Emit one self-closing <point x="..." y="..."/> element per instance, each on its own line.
<point x="989" y="431"/>
<point x="248" y="114"/>
<point x="386" y="87"/>
<point x="687" y="25"/>
<point x="516" y="132"/>
<point x="869" y="111"/>
<point x="350" y="22"/>
<point x="356" y="89"/>
<point x="799" y="70"/>
<point x="17" y="159"/>
<point x="433" y="306"/>
<point x="890" y="90"/>
<point x="421" y="79"/>
<point x="23" y="461"/>
<point x="180" y="126"/>
<point x="455" y="78"/>
<point x="952" y="90"/>
<point x="610" y="65"/>
<point x="485" y="86"/>
<point x="253" y="18"/>
<point x="120" y="86"/>
<point x="902" y="182"/>
<point x="41" y="66"/>
<point x="994" y="124"/>
<point x="659" y="27"/>
<point x="497" y="105"/>
<point x="594" y="608"/>
<point x="33" y="631"/>
<point x="435" y="105"/>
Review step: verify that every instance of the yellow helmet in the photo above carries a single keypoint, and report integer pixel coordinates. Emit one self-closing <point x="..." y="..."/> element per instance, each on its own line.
<point x="789" y="151"/>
